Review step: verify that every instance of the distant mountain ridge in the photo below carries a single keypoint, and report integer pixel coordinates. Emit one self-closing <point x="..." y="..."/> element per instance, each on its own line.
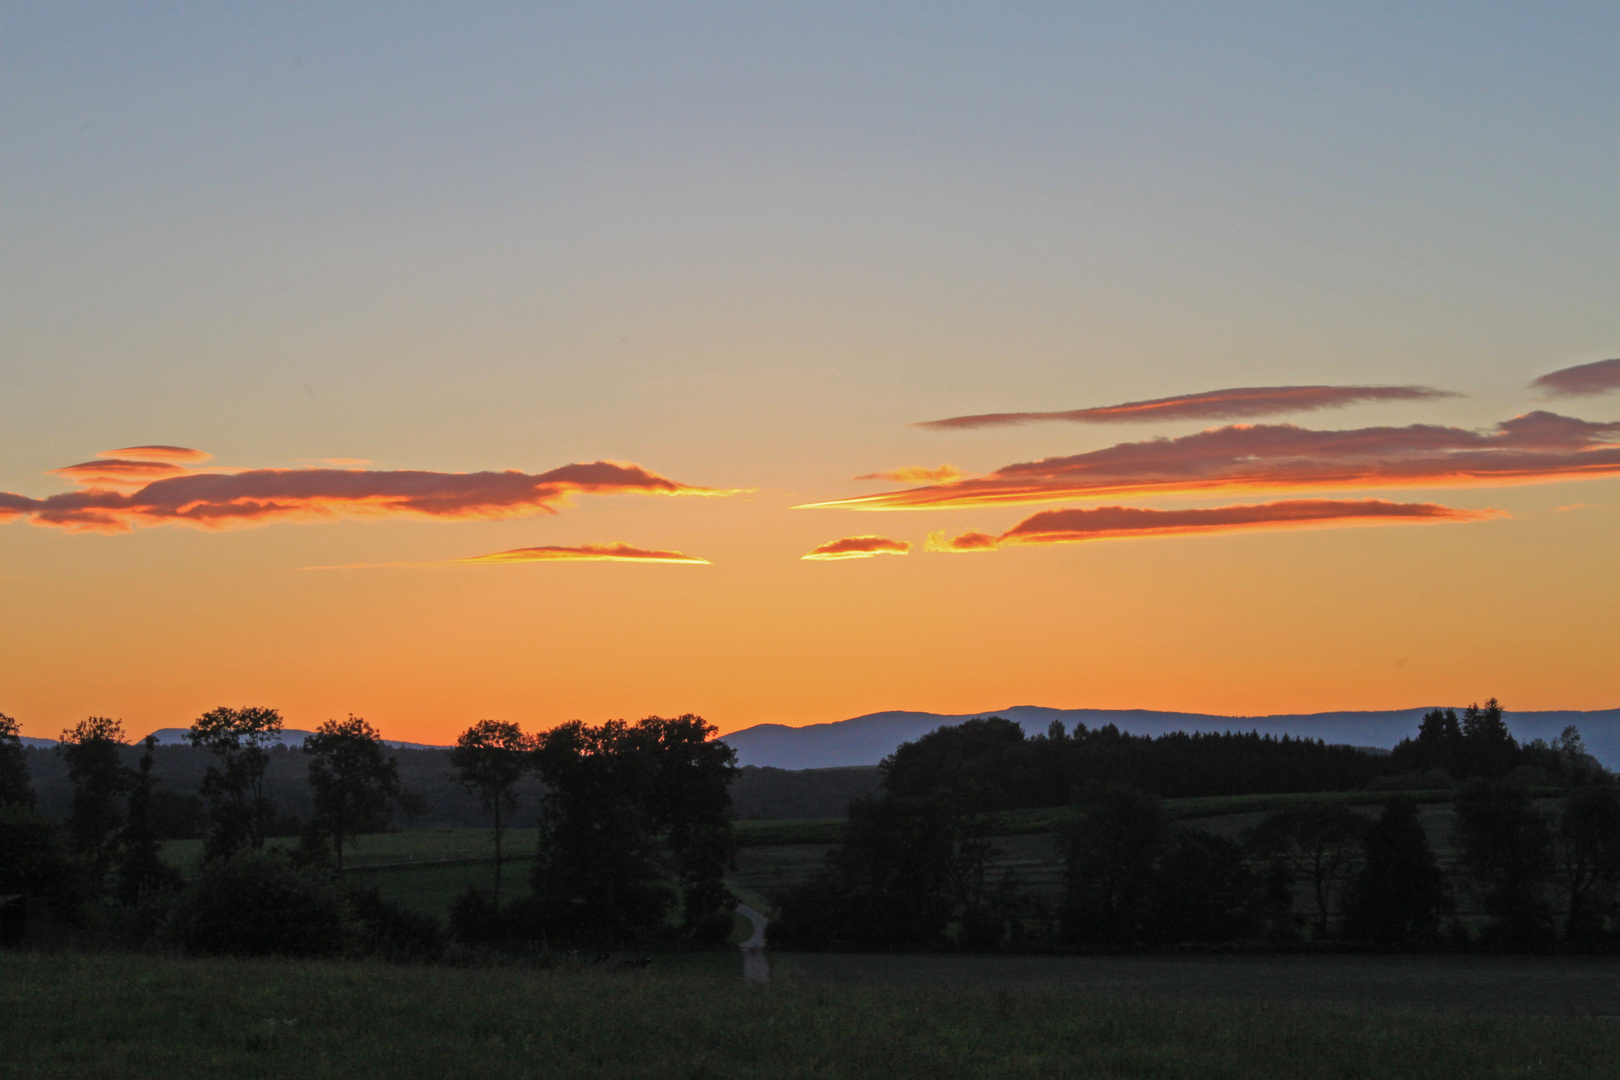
<point x="866" y="740"/>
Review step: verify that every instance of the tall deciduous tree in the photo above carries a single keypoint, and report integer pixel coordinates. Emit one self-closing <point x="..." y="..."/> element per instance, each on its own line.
<point x="15" y="787"/>
<point x="1319" y="845"/>
<point x="1400" y="895"/>
<point x="238" y="808"/>
<point x="633" y="812"/>
<point x="1506" y="848"/>
<point x="352" y="778"/>
<point x="1110" y="854"/>
<point x="141" y="869"/>
<point x="100" y="780"/>
<point x="490" y="758"/>
<point x="1589" y="856"/>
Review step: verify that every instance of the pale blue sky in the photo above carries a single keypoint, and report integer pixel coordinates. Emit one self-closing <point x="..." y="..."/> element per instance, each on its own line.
<point x="746" y="246"/>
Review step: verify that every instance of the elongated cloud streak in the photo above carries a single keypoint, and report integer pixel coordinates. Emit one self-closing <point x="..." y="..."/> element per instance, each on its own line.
<point x="1118" y="522"/>
<point x="857" y="547"/>
<point x="583" y="553"/>
<point x="119" y="472"/>
<point x="916" y="474"/>
<point x="1236" y="403"/>
<point x="1538" y="447"/>
<point x="180" y="455"/>
<point x="216" y="500"/>
<point x="1598" y="377"/>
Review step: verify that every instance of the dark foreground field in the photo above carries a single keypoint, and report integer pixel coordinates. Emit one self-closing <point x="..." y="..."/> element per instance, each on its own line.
<point x="1567" y="986"/>
<point x="690" y="1016"/>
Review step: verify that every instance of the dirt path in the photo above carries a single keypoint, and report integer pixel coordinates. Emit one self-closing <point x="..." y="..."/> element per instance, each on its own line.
<point x="1526" y="986"/>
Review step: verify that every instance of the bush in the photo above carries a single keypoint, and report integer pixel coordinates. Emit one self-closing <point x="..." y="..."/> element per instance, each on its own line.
<point x="34" y="860"/>
<point x="390" y="932"/>
<point x="476" y="920"/>
<point x="254" y="904"/>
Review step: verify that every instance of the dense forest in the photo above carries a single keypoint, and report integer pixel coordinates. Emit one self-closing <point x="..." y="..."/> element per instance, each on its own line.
<point x="990" y="764"/>
<point x="914" y="870"/>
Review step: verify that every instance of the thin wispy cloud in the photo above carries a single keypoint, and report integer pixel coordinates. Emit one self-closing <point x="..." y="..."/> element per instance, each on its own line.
<point x="551" y="553"/>
<point x="1538" y="447"/>
<point x="582" y="553"/>
<point x="1072" y="526"/>
<point x="916" y="474"/>
<point x="1236" y="403"/>
<point x="180" y="455"/>
<point x="1598" y="377"/>
<point x="857" y="547"/>
<point x="220" y="498"/>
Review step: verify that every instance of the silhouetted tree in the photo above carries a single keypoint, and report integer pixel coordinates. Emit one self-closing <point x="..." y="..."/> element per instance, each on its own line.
<point x="977" y="762"/>
<point x="1588" y="845"/>
<point x="1204" y="890"/>
<point x="352" y="779"/>
<point x="1506" y="848"/>
<point x="1438" y="744"/>
<point x="260" y="904"/>
<point x="631" y="813"/>
<point x="100" y="780"/>
<point x="15" y="787"/>
<point x="1489" y="749"/>
<point x="490" y="758"/>
<point x="239" y="810"/>
<point x="141" y="869"/>
<point x="1401" y="894"/>
<point x="34" y="860"/>
<point x="1110" y="855"/>
<point x="911" y="872"/>
<point x="1318" y="845"/>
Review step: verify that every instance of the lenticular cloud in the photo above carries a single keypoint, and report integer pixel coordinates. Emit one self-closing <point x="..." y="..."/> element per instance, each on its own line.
<point x="584" y="553"/>
<point x="1538" y="447"/>
<point x="857" y="547"/>
<point x="1598" y="377"/>
<point x="1119" y="522"/>
<point x="119" y="493"/>
<point x="1232" y="404"/>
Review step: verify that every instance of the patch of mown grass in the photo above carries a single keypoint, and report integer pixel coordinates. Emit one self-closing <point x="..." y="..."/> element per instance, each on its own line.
<point x="92" y="1016"/>
<point x="786" y="833"/>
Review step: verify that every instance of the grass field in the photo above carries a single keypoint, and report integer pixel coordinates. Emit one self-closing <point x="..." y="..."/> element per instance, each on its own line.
<point x="88" y="1017"/>
<point x="425" y="869"/>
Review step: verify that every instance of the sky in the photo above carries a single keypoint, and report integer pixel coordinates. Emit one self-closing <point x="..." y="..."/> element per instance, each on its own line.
<point x="433" y="363"/>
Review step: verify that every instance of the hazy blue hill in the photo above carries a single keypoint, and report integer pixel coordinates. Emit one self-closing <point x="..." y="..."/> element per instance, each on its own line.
<point x="866" y="740"/>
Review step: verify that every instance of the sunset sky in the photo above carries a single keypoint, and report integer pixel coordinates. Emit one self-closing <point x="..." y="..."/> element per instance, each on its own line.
<point x="786" y="363"/>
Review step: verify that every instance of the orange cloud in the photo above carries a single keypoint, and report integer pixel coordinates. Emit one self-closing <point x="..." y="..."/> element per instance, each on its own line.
<point x="118" y="472"/>
<point x="584" y="553"/>
<point x="1598" y="377"/>
<point x="216" y="500"/>
<point x="857" y="547"/>
<point x="1537" y="447"/>
<point x="967" y="542"/>
<point x="1232" y="404"/>
<point x="916" y="474"/>
<point x="179" y="454"/>
<point x="1119" y="522"/>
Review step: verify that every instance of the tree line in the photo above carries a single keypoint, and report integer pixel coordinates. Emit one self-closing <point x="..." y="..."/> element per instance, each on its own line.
<point x="634" y="822"/>
<point x="992" y="765"/>
<point x="917" y="865"/>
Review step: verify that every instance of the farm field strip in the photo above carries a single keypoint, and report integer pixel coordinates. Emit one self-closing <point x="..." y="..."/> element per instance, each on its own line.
<point x="69" y="1017"/>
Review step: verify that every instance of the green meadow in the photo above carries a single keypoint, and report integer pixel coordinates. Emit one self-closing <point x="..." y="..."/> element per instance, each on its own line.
<point x="92" y="1016"/>
<point x="425" y="869"/>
